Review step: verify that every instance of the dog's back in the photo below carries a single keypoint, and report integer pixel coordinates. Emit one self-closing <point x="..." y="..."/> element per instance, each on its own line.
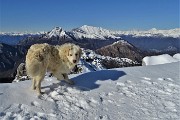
<point x="37" y="59"/>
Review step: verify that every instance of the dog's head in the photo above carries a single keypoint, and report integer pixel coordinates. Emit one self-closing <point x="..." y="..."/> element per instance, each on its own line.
<point x="72" y="52"/>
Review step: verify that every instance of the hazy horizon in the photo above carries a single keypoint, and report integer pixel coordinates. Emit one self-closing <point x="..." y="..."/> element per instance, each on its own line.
<point x="78" y="27"/>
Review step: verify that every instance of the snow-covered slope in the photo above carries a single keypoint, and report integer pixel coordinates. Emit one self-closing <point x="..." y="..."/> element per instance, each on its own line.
<point x="160" y="59"/>
<point x="138" y="93"/>
<point x="93" y="33"/>
<point x="99" y="62"/>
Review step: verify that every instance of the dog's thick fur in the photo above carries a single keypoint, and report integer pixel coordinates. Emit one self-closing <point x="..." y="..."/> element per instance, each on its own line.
<point x="59" y="60"/>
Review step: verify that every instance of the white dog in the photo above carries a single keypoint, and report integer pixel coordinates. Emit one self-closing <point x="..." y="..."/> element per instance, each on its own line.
<point x="59" y="60"/>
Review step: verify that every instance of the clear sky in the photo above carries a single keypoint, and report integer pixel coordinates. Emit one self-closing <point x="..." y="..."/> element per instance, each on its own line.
<point x="43" y="15"/>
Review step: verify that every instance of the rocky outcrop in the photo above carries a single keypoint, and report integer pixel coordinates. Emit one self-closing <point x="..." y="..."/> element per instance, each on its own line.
<point x="121" y="49"/>
<point x="10" y="58"/>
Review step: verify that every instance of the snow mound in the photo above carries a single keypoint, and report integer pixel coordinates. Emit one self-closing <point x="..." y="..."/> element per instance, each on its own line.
<point x="160" y="59"/>
<point x="177" y="56"/>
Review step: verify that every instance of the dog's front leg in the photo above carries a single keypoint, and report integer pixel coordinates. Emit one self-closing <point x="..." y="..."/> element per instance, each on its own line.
<point x="38" y="84"/>
<point x="67" y="79"/>
<point x="33" y="84"/>
<point x="59" y="76"/>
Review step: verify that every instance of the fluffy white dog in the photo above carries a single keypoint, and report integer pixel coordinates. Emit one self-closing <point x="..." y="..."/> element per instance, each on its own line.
<point x="59" y="60"/>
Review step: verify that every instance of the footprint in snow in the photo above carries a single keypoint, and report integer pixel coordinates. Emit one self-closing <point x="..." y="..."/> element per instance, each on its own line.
<point x="146" y="82"/>
<point x="120" y="84"/>
<point x="128" y="82"/>
<point x="104" y="117"/>
<point x="161" y="79"/>
<point x="35" y="103"/>
<point x="170" y="79"/>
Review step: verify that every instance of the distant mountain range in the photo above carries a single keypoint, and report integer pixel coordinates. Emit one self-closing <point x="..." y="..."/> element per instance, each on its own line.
<point x="153" y="39"/>
<point x="14" y="38"/>
<point x="117" y="48"/>
<point x="99" y="32"/>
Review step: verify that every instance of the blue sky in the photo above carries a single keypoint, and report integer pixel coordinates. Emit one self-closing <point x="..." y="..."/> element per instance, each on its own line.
<point x="43" y="15"/>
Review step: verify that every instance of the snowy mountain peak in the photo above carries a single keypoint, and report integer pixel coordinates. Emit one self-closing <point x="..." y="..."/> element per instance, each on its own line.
<point x="95" y="30"/>
<point x="91" y="32"/>
<point x="153" y="29"/>
<point x="56" y="32"/>
<point x="122" y="42"/>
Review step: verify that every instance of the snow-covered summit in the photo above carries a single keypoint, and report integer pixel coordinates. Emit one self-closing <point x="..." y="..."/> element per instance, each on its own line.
<point x="57" y="32"/>
<point x="93" y="33"/>
<point x="121" y="42"/>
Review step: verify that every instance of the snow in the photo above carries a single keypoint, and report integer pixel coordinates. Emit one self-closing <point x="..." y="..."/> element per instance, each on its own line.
<point x="160" y="59"/>
<point x="177" y="56"/>
<point x="57" y="32"/>
<point x="96" y="64"/>
<point x="99" y="33"/>
<point x="138" y="93"/>
<point x="124" y="42"/>
<point x="175" y="33"/>
<point x="93" y="33"/>
<point x="21" y="33"/>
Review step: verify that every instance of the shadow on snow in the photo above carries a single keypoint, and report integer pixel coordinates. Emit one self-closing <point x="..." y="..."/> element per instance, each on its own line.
<point x="88" y="80"/>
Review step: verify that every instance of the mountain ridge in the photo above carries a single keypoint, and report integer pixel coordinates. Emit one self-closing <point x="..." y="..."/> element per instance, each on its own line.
<point x="112" y="33"/>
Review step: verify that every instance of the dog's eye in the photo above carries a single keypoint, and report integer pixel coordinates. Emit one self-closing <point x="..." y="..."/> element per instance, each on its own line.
<point x="70" y="54"/>
<point x="76" y="54"/>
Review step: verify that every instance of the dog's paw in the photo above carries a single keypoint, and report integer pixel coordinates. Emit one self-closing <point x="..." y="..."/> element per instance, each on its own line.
<point x="33" y="87"/>
<point x="39" y="92"/>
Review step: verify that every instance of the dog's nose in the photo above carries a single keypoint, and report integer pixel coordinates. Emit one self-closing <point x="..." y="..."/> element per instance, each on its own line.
<point x="74" y="61"/>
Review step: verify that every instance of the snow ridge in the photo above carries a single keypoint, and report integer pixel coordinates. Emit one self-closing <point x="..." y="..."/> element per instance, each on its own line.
<point x="93" y="33"/>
